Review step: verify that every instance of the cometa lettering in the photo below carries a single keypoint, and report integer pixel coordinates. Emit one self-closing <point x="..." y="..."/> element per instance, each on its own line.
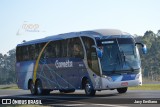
<point x="65" y="64"/>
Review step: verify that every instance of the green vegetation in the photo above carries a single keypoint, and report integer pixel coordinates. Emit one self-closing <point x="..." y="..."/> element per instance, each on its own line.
<point x="7" y="68"/>
<point x="14" y="86"/>
<point x="151" y="61"/>
<point x="146" y="87"/>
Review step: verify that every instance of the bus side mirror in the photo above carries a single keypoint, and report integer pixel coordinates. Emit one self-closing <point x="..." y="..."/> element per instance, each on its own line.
<point x="99" y="51"/>
<point x="144" y="48"/>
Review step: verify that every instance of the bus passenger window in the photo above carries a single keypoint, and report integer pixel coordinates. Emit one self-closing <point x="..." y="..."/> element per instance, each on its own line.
<point x="77" y="48"/>
<point x="51" y="50"/>
<point x="31" y="52"/>
<point x="64" y="48"/>
<point x="37" y="50"/>
<point x="25" y="53"/>
<point x="19" y="54"/>
<point x="58" y="48"/>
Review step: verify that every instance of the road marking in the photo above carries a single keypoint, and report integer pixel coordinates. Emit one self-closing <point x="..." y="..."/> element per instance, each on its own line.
<point x="3" y="95"/>
<point x="86" y="104"/>
<point x="106" y="105"/>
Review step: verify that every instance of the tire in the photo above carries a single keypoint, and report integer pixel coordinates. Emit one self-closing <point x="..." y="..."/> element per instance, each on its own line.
<point x="122" y="90"/>
<point x="32" y="88"/>
<point x="89" y="89"/>
<point x="39" y="88"/>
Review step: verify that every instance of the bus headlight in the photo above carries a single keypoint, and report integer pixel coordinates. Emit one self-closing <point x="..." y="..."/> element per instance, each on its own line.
<point x="108" y="78"/>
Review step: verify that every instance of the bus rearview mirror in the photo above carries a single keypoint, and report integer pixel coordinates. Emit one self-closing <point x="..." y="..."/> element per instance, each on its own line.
<point x="144" y="49"/>
<point x="99" y="51"/>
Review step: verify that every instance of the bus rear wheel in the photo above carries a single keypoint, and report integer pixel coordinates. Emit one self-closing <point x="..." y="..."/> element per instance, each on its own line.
<point x="39" y="89"/>
<point x="122" y="90"/>
<point x="89" y="89"/>
<point x="32" y="88"/>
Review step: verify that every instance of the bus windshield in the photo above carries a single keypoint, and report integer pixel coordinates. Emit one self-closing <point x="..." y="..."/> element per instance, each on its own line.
<point x="119" y="55"/>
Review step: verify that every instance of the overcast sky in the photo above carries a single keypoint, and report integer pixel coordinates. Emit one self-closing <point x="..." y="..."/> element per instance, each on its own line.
<point x="51" y="17"/>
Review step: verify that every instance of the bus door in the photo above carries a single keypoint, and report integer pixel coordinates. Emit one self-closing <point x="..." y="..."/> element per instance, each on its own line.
<point x="92" y="60"/>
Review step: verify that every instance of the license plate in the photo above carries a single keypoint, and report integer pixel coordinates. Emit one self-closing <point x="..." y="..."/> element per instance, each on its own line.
<point x="124" y="84"/>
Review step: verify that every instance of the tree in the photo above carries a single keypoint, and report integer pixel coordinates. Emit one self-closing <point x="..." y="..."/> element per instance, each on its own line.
<point x="7" y="68"/>
<point x="151" y="61"/>
<point x="158" y="33"/>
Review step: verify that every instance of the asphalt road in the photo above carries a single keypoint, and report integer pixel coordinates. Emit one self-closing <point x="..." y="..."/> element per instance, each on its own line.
<point x="105" y="98"/>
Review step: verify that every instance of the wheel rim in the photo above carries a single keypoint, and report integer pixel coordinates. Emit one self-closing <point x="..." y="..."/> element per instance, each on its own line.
<point x="39" y="88"/>
<point x="32" y="89"/>
<point x="88" y="88"/>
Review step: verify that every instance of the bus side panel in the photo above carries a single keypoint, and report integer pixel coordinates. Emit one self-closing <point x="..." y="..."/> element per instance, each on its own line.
<point x="61" y="73"/>
<point x="24" y="72"/>
<point x="47" y="74"/>
<point x="76" y="73"/>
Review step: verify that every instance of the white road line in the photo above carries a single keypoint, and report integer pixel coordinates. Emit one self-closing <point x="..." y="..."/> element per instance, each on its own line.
<point x="86" y="104"/>
<point x="106" y="105"/>
<point x="3" y="95"/>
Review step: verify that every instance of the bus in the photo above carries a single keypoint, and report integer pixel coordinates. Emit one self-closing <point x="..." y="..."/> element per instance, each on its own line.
<point x="93" y="60"/>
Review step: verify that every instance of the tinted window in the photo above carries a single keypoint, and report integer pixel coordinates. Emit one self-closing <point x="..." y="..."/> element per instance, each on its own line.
<point x="92" y="58"/>
<point x="31" y="49"/>
<point x="75" y="48"/>
<point x="18" y="54"/>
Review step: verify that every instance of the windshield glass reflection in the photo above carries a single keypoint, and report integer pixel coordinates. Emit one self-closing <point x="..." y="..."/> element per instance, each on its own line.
<point x="119" y="55"/>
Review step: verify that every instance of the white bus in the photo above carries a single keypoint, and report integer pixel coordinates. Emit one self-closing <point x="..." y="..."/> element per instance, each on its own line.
<point x="102" y="59"/>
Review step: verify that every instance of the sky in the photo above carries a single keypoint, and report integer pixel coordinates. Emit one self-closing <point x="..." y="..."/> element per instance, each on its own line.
<point x="33" y="19"/>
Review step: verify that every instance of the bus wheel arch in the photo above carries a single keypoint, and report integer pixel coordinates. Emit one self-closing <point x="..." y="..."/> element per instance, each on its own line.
<point x="84" y="79"/>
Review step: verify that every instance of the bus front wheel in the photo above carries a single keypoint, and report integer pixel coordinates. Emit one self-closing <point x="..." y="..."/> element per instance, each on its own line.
<point x="89" y="89"/>
<point x="122" y="90"/>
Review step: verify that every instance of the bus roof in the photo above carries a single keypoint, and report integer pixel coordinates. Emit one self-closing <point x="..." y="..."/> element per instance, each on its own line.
<point x="90" y="33"/>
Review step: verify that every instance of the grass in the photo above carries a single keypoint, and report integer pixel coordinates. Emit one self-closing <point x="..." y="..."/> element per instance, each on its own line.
<point x="146" y="87"/>
<point x="13" y="86"/>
